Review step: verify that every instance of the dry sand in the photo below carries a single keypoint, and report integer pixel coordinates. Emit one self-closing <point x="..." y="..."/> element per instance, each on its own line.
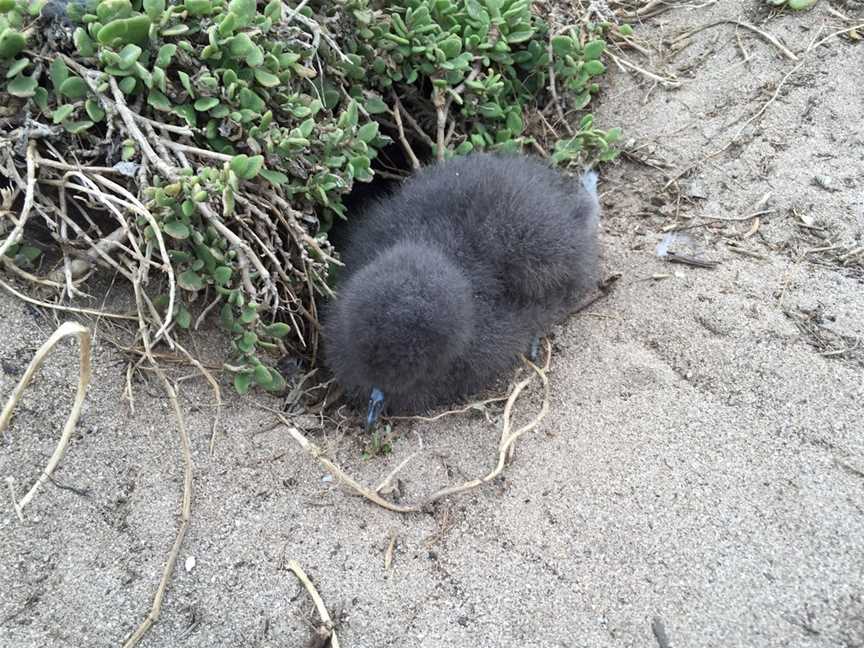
<point x="698" y="482"/>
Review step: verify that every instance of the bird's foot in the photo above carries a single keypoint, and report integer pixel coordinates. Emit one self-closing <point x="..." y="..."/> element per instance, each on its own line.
<point x="534" y="349"/>
<point x="376" y="405"/>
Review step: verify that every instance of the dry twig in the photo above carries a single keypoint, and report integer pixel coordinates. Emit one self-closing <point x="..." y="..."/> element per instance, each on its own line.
<point x="68" y="309"/>
<point x="767" y="37"/>
<point x="186" y="504"/>
<point x="406" y="146"/>
<point x="391" y="549"/>
<point x="67" y="329"/>
<point x="505" y="446"/>
<point x="326" y="619"/>
<point x="30" y="191"/>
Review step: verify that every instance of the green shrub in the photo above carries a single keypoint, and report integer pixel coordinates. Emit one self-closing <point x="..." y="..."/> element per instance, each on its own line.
<point x="240" y="127"/>
<point x="795" y="5"/>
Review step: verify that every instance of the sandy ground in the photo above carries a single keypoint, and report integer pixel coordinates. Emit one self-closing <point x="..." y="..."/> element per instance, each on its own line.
<point x="698" y="482"/>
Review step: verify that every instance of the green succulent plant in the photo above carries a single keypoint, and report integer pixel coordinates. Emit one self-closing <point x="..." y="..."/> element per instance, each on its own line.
<point x="794" y="5"/>
<point x="264" y="117"/>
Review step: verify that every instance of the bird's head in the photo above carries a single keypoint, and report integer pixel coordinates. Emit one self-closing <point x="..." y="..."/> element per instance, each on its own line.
<point x="397" y="325"/>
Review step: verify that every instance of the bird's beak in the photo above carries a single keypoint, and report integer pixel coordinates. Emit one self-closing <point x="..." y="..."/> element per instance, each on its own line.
<point x="376" y="404"/>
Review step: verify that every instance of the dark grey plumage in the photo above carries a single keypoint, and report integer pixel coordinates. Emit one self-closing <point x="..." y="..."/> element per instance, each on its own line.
<point x="448" y="279"/>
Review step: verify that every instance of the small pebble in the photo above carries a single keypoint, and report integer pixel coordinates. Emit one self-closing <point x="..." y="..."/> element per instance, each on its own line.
<point x="696" y="189"/>
<point x="826" y="182"/>
<point x="127" y="168"/>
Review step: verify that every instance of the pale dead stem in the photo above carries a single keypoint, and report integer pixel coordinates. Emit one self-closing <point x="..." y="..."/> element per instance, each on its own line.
<point x="186" y="503"/>
<point x="326" y="619"/>
<point x="14" y="269"/>
<point x="245" y="254"/>
<point x="130" y="202"/>
<point x="397" y="111"/>
<point x="764" y="35"/>
<point x="476" y="405"/>
<point x="67" y="329"/>
<point x="133" y="130"/>
<point x="553" y="89"/>
<point x="391" y="549"/>
<point x="30" y="189"/>
<point x="801" y="60"/>
<point x="505" y="448"/>
<point x="415" y="126"/>
<point x="68" y="309"/>
<point x="653" y="8"/>
<point x="623" y="63"/>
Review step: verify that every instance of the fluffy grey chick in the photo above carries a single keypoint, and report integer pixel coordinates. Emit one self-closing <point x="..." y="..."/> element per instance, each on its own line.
<point x="451" y="277"/>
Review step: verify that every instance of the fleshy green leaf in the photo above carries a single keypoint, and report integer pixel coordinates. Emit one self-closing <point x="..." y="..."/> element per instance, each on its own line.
<point x="593" y="50"/>
<point x="28" y="253"/>
<point x="222" y="275"/>
<point x="94" y="110"/>
<point x="175" y="30"/>
<point x="262" y="376"/>
<point x="594" y="67"/>
<point x="11" y="43"/>
<point x="277" y="382"/>
<point x="126" y="30"/>
<point x="273" y="10"/>
<point x="62" y="113"/>
<point x="176" y="229"/>
<point x="242" y="382"/>
<point x="199" y="7"/>
<point x="127" y="85"/>
<point x="247" y="167"/>
<point x="375" y="106"/>
<point x="74" y="88"/>
<point x="17" y="67"/>
<point x="348" y="118"/>
<point x="129" y="56"/>
<point x="226" y="316"/>
<point x="183" y="317"/>
<point x="245" y="10"/>
<point x="40" y="98"/>
<point x="255" y="57"/>
<point x="190" y="280"/>
<point x="165" y="54"/>
<point x="154" y="9"/>
<point x="159" y="101"/>
<point x="562" y="45"/>
<point x="613" y="135"/>
<point x="519" y="36"/>
<point x="277" y="329"/>
<point x="266" y="79"/>
<point x="256" y="162"/>
<point x="59" y="73"/>
<point x="240" y="45"/>
<point x="274" y="177"/>
<point x="367" y="132"/>
<point x="514" y="121"/>
<point x="22" y="86"/>
<point x="249" y="313"/>
<point x="83" y="42"/>
<point x="78" y="126"/>
<point x="206" y="103"/>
